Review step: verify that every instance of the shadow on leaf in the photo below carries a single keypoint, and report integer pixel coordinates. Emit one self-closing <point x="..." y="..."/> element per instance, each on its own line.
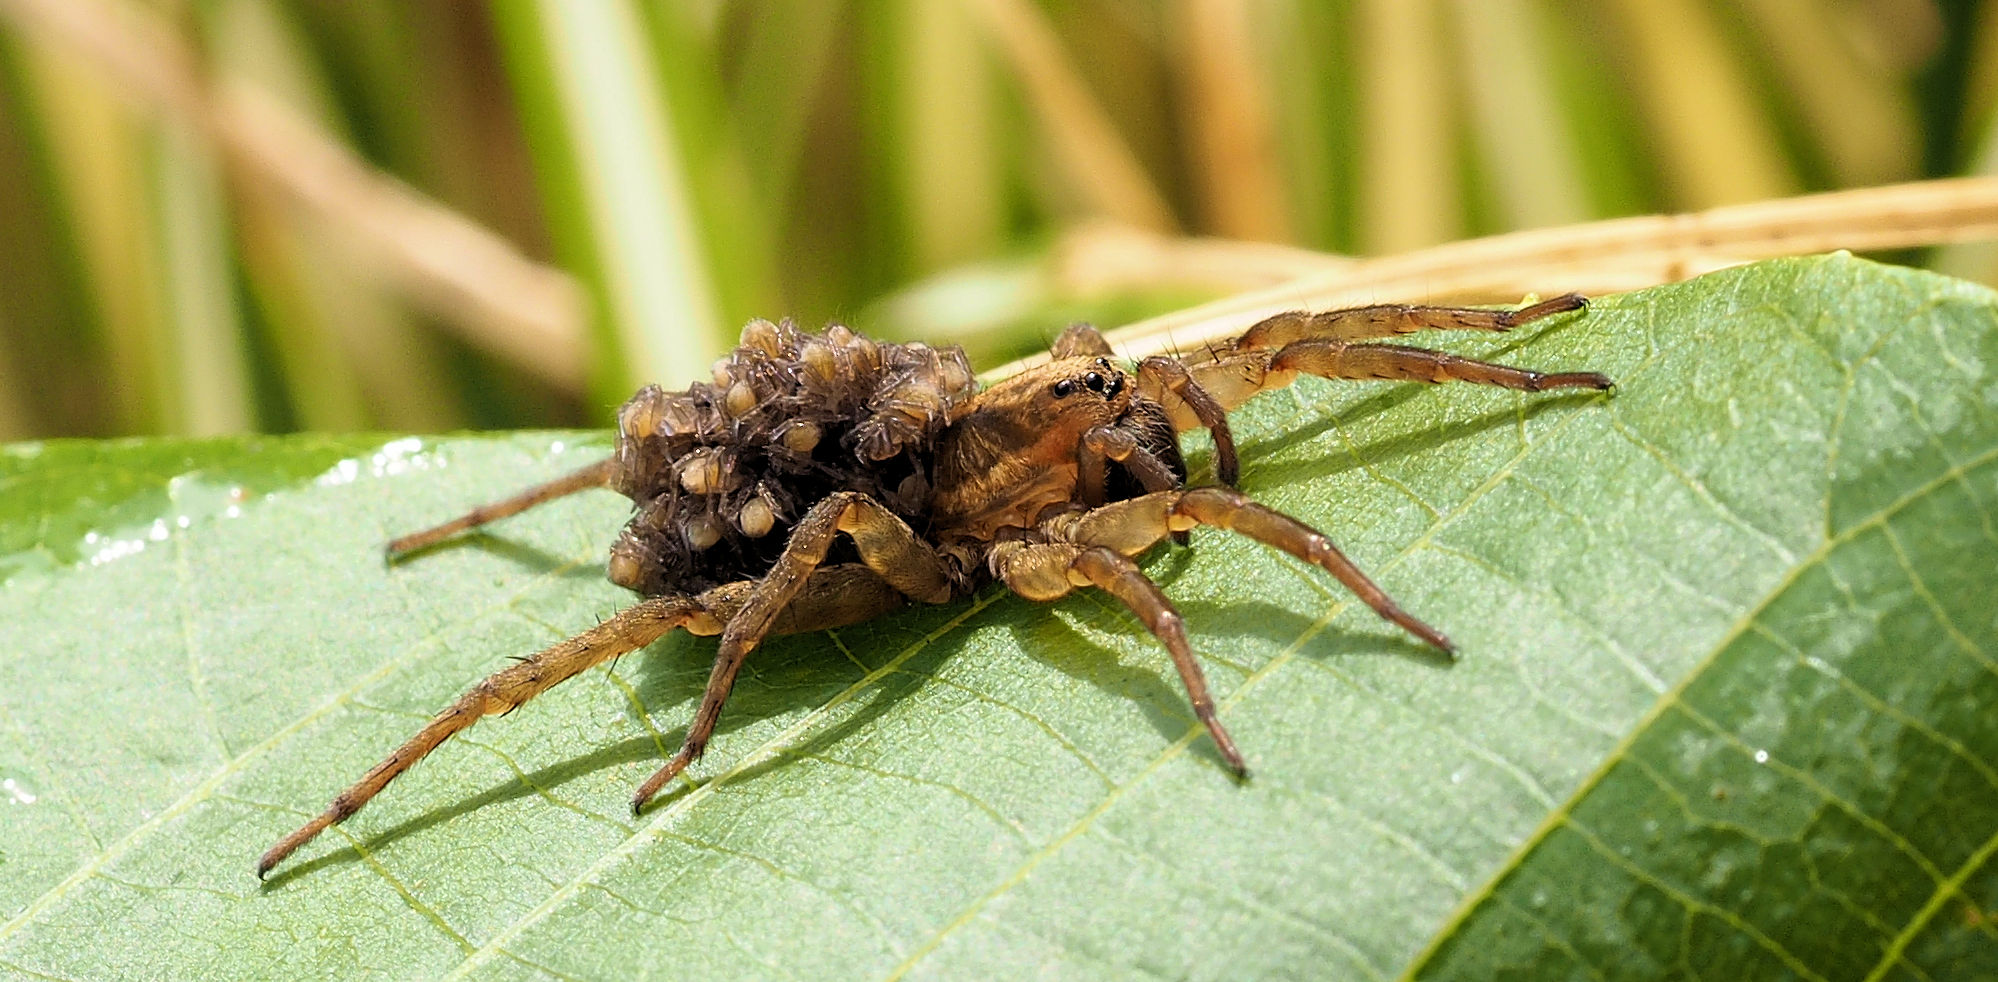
<point x="1278" y="472"/>
<point x="538" y="560"/>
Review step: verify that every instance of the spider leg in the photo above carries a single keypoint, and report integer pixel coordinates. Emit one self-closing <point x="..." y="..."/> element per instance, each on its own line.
<point x="1271" y="353"/>
<point x="1339" y="359"/>
<point x="1079" y="339"/>
<point x="1102" y="444"/>
<point x="597" y="475"/>
<point x="502" y="692"/>
<point x="1134" y="525"/>
<point x="1389" y="319"/>
<point x="1045" y="571"/>
<point x="1159" y="376"/>
<point x="887" y="547"/>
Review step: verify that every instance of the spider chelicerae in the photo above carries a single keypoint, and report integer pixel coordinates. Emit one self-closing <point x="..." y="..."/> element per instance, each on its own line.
<point x="820" y="479"/>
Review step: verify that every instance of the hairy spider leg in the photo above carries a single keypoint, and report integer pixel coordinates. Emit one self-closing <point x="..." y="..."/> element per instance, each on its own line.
<point x="1102" y="444"/>
<point x="1389" y="319"/>
<point x="1340" y="359"/>
<point x="1079" y="339"/>
<point x="502" y="692"/>
<point x="1228" y="376"/>
<point x="597" y="475"/>
<point x="886" y="545"/>
<point x="1158" y="375"/>
<point x="1135" y="524"/>
<point x="1050" y="570"/>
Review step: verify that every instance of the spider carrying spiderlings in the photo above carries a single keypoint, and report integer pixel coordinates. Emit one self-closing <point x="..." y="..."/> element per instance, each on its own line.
<point x="823" y="479"/>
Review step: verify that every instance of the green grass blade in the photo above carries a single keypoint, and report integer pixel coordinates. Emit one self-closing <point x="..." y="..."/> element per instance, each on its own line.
<point x="616" y="185"/>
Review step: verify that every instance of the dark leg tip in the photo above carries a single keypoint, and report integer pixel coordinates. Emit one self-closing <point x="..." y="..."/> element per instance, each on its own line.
<point x="1570" y="380"/>
<point x="1557" y="305"/>
<point x="1429" y="635"/>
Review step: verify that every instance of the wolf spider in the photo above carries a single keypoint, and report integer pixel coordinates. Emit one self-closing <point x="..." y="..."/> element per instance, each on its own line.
<point x="824" y="479"/>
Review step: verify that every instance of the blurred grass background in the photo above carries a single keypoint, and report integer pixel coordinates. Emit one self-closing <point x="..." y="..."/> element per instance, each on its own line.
<point x="421" y="215"/>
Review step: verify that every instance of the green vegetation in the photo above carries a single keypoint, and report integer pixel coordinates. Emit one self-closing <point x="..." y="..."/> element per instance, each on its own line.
<point x="178" y="256"/>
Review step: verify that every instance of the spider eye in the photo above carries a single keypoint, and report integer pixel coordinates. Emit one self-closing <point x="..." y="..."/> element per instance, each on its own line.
<point x="1094" y="381"/>
<point x="1064" y="388"/>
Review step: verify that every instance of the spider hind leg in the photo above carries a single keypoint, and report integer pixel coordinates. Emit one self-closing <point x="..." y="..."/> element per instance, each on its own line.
<point x="597" y="475"/>
<point x="502" y="692"/>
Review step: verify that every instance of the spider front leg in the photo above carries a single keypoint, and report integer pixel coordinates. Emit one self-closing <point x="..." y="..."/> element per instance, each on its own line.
<point x="1079" y="339"/>
<point x="1101" y="445"/>
<point x="1271" y="353"/>
<point x="1340" y="359"/>
<point x="1168" y="381"/>
<point x="504" y="691"/>
<point x="1046" y="571"/>
<point x="888" y="548"/>
<point x="1134" y="525"/>
<point x="1322" y="344"/>
<point x="1389" y="319"/>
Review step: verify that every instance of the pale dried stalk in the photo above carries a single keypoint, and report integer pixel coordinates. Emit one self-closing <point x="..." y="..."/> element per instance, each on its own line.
<point x="1103" y="257"/>
<point x="477" y="282"/>
<point x="1594" y="258"/>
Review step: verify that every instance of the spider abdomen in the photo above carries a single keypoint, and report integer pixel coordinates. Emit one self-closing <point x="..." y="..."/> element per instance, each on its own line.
<point x="720" y="471"/>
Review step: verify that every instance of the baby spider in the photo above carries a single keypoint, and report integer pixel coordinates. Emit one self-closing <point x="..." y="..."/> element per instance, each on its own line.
<point x="823" y="479"/>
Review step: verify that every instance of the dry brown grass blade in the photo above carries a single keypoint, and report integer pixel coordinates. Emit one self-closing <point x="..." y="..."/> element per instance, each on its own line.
<point x="1085" y="143"/>
<point x="500" y="300"/>
<point x="1230" y="137"/>
<point x="1861" y="116"/>
<point x="1715" y="144"/>
<point x="1409" y="194"/>
<point x="1594" y="258"/>
<point x="1102" y="257"/>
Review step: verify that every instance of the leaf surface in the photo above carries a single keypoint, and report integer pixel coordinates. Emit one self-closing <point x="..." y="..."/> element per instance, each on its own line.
<point x="1724" y="705"/>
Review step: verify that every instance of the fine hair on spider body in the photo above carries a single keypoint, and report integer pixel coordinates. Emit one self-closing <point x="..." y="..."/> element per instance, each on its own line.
<point x="822" y="479"/>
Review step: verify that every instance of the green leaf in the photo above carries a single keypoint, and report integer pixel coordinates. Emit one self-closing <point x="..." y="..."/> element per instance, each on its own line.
<point x="1724" y="706"/>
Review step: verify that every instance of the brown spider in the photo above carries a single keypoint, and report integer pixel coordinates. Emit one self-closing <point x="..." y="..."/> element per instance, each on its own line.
<point x="823" y="479"/>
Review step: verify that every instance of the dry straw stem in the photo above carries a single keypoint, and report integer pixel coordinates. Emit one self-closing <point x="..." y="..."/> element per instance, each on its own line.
<point x="475" y="281"/>
<point x="1594" y="258"/>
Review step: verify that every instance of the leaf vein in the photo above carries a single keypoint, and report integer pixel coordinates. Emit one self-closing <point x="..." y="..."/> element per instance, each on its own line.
<point x="1897" y="949"/>
<point x="1691" y="902"/>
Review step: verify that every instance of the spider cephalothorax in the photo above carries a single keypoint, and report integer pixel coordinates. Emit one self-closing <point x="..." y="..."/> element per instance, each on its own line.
<point x="824" y="479"/>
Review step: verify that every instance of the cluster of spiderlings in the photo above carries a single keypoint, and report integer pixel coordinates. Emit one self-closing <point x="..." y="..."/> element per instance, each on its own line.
<point x="720" y="472"/>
